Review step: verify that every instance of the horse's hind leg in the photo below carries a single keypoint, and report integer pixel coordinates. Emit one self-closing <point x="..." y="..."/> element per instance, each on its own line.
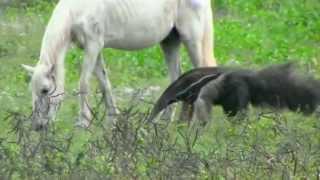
<point x="196" y="30"/>
<point x="105" y="87"/>
<point x="170" y="47"/>
<point x="208" y="40"/>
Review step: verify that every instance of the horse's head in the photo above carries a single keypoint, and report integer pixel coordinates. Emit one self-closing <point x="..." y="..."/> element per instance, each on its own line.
<point x="44" y="103"/>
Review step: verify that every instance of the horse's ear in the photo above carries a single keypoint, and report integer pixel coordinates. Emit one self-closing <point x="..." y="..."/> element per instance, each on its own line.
<point x="29" y="69"/>
<point x="51" y="72"/>
<point x="52" y="69"/>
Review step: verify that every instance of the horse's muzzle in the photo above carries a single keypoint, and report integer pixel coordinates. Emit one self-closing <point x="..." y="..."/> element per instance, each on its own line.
<point x="39" y="123"/>
<point x="40" y="127"/>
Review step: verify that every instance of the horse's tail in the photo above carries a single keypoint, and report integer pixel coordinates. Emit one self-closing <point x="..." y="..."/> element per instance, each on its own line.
<point x="186" y="89"/>
<point x="282" y="87"/>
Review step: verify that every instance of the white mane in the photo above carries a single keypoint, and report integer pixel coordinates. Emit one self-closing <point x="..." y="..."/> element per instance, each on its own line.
<point x="57" y="36"/>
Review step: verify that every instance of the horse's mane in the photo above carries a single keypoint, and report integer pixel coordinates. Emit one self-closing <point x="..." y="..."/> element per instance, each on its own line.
<point x="57" y="35"/>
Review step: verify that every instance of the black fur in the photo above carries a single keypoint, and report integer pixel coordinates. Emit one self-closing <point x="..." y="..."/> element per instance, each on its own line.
<point x="276" y="86"/>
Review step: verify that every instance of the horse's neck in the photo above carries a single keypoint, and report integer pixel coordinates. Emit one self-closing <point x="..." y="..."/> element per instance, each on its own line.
<point x="56" y="41"/>
<point x="54" y="47"/>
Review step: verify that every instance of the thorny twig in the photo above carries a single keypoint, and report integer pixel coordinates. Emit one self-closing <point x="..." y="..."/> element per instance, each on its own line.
<point x="133" y="144"/>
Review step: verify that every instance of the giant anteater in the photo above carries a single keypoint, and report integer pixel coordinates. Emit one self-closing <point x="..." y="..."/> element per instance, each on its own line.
<point x="278" y="86"/>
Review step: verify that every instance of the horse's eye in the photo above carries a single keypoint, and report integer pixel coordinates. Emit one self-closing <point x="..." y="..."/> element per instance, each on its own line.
<point x="44" y="91"/>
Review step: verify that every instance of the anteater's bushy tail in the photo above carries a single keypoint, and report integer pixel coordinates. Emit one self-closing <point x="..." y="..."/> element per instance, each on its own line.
<point x="283" y="87"/>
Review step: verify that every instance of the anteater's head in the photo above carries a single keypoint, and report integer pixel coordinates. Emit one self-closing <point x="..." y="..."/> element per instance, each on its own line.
<point x="186" y="88"/>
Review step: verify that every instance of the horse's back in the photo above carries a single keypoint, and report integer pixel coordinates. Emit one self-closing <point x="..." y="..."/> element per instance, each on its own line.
<point x="127" y="24"/>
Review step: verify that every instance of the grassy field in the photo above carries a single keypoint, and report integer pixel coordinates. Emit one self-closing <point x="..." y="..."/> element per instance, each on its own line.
<point x="266" y="145"/>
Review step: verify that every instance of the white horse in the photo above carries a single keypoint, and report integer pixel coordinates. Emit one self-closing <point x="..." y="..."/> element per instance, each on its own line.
<point x="120" y="24"/>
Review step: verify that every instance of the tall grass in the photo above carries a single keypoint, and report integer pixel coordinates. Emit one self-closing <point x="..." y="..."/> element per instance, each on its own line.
<point x="266" y="145"/>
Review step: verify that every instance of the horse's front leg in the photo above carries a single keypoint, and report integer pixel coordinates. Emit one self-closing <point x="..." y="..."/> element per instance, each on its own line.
<point x="89" y="64"/>
<point x="105" y="86"/>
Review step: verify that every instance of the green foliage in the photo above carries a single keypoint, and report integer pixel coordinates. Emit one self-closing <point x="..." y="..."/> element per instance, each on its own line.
<point x="267" y="31"/>
<point x="263" y="146"/>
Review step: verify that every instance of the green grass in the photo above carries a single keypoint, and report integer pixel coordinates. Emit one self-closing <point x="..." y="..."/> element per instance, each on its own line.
<point x="264" y="146"/>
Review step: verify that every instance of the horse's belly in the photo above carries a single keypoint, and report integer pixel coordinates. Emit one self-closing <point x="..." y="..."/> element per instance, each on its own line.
<point x="142" y="25"/>
<point x="136" y="38"/>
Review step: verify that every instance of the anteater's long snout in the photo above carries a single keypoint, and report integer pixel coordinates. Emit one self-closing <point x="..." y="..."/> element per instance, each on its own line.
<point x="184" y="89"/>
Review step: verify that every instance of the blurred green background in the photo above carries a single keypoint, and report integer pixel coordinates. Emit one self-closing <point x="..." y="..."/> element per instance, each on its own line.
<point x="248" y="33"/>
